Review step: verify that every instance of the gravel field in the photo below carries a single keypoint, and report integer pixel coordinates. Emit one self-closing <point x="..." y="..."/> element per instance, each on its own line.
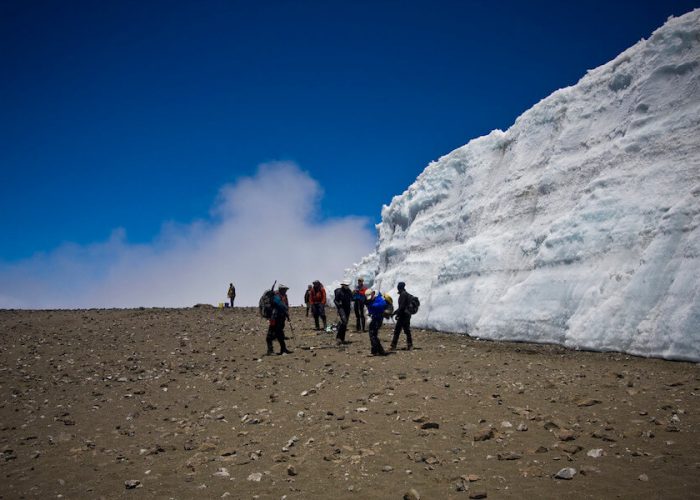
<point x="180" y="403"/>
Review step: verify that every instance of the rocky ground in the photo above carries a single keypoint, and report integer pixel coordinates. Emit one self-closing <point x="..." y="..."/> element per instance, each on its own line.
<point x="179" y="403"/>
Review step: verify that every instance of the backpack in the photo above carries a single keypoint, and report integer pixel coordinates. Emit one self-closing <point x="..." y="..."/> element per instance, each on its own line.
<point x="337" y="299"/>
<point x="413" y="305"/>
<point x="389" y="307"/>
<point x="266" y="303"/>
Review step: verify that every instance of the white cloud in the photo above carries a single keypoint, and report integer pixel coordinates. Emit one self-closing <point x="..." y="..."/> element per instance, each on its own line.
<point x="261" y="229"/>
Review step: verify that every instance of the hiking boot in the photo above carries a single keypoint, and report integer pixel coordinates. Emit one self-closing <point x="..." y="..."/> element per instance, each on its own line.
<point x="392" y="347"/>
<point x="269" y="353"/>
<point x="286" y="351"/>
<point x="382" y="353"/>
<point x="409" y="347"/>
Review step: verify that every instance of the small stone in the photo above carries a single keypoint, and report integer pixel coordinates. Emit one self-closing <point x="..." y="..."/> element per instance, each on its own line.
<point x="604" y="436"/>
<point x="643" y="477"/>
<point x="361" y="409"/>
<point x="587" y="470"/>
<point x="411" y="494"/>
<point x="473" y="478"/>
<point x="507" y="425"/>
<point x="130" y="484"/>
<point x="566" y="473"/>
<point x="522" y="427"/>
<point x="483" y="434"/>
<point x="571" y="449"/>
<point x="430" y="425"/>
<point x="255" y="476"/>
<point x="587" y="402"/>
<point x="291" y="470"/>
<point x="551" y="424"/>
<point x="565" y="435"/>
<point x="387" y="468"/>
<point x="509" y="455"/>
<point x="595" y="453"/>
<point x="222" y="472"/>
<point x="478" y="494"/>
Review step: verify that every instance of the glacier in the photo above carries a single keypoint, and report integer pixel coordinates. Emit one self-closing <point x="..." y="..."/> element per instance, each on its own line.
<point x="577" y="226"/>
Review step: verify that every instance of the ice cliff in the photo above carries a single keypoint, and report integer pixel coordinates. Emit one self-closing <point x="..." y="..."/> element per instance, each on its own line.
<point x="578" y="225"/>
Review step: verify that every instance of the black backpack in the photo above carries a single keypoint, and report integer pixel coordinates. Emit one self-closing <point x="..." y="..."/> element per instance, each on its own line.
<point x="337" y="298"/>
<point x="266" y="302"/>
<point x="413" y="305"/>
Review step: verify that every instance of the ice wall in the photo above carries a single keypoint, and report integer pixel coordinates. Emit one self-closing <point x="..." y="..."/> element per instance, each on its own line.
<point x="578" y="225"/>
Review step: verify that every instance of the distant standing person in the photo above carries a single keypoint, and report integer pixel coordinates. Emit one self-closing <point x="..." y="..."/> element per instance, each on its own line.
<point x="231" y="293"/>
<point x="342" y="298"/>
<point x="403" y="318"/>
<point x="280" y="313"/>
<point x="307" y="298"/>
<point x="375" y="306"/>
<point x="318" y="303"/>
<point x="358" y="296"/>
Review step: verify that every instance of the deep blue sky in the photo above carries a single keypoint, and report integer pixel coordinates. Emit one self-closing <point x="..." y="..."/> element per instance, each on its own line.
<point x="132" y="113"/>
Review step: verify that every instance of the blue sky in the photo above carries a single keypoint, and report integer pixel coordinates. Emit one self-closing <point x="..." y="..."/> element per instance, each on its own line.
<point x="132" y="116"/>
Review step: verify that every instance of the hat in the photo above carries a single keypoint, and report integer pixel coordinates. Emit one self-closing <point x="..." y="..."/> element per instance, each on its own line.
<point x="369" y="293"/>
<point x="345" y="283"/>
<point x="361" y="279"/>
<point x="283" y="287"/>
<point x="401" y="285"/>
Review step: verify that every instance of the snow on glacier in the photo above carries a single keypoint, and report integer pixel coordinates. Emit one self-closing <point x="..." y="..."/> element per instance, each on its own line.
<point x="578" y="225"/>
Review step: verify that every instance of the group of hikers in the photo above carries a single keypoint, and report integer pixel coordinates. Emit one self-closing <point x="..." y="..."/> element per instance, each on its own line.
<point x="274" y="305"/>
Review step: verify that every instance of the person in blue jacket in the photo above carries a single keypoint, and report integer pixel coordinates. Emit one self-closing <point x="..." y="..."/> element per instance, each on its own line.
<point x="375" y="306"/>
<point x="280" y="313"/>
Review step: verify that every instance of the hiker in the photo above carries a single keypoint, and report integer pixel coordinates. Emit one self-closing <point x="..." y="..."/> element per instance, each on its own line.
<point x="342" y="298"/>
<point x="307" y="299"/>
<point x="358" y="296"/>
<point x="375" y="307"/>
<point x="403" y="318"/>
<point x="231" y="294"/>
<point x="280" y="313"/>
<point x="317" y="297"/>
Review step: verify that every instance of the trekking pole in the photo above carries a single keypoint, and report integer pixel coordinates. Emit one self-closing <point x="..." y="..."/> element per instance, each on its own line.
<point x="291" y="326"/>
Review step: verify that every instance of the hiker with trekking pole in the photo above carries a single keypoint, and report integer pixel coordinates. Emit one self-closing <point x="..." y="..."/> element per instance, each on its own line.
<point x="274" y="306"/>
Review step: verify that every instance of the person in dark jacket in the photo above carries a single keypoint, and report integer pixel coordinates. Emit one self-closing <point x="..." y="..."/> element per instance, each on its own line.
<point x="375" y="307"/>
<point x="343" y="301"/>
<point x="280" y="313"/>
<point x="307" y="299"/>
<point x="358" y="296"/>
<point x="231" y="293"/>
<point x="403" y="318"/>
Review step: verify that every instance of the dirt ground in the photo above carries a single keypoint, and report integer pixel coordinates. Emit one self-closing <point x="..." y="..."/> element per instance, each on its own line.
<point x="180" y="403"/>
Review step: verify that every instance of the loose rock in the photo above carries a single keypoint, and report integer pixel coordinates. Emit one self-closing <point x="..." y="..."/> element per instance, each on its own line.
<point x="566" y="473"/>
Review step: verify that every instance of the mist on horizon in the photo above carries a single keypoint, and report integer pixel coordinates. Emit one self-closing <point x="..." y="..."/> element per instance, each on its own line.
<point x="261" y="229"/>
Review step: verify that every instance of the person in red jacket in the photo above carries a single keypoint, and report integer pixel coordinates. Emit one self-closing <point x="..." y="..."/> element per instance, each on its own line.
<point x="317" y="299"/>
